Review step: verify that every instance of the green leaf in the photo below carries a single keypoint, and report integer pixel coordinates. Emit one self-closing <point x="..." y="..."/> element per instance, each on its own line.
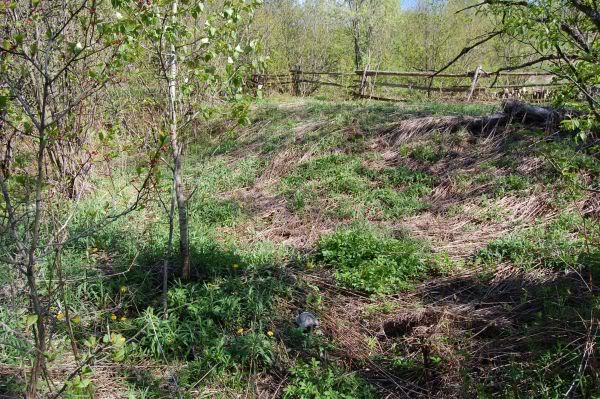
<point x="197" y="10"/>
<point x="18" y="38"/>
<point x="30" y="320"/>
<point x="119" y="355"/>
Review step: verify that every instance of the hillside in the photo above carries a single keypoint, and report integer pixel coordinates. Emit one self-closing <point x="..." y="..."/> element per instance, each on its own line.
<point x="439" y="264"/>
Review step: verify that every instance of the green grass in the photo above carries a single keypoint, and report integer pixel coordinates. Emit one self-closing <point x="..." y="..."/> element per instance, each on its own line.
<point x="356" y="190"/>
<point x="216" y="332"/>
<point x="558" y="245"/>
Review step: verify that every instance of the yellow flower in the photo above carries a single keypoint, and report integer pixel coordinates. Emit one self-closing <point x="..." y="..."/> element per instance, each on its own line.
<point x="240" y="331"/>
<point x="270" y="333"/>
<point x="236" y="266"/>
<point x="123" y="289"/>
<point x="60" y="316"/>
<point x="76" y="319"/>
<point x="113" y="316"/>
<point x="123" y="318"/>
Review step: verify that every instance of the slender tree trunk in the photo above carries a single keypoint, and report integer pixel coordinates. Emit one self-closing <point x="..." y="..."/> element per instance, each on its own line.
<point x="168" y="255"/>
<point x="177" y="148"/>
<point x="30" y="269"/>
<point x="357" y="49"/>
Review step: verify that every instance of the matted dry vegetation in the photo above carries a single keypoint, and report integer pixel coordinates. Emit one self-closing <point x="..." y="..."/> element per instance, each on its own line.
<point x="455" y="334"/>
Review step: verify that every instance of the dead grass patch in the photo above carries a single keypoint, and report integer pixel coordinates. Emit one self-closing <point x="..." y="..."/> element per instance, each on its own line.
<point x="448" y="328"/>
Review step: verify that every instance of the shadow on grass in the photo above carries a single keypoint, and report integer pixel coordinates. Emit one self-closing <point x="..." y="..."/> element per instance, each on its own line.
<point x="504" y="334"/>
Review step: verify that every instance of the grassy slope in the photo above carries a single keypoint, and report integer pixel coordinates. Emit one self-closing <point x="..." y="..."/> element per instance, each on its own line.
<point x="443" y="263"/>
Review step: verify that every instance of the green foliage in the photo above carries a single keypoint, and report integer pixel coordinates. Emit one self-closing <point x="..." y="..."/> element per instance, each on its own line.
<point x="562" y="30"/>
<point x="567" y="161"/>
<point x="12" y="348"/>
<point x="254" y="349"/>
<point x="316" y="381"/>
<point x="426" y="153"/>
<point x="510" y="183"/>
<point x="81" y="385"/>
<point x="366" y="260"/>
<point x="556" y="245"/>
<point x="210" y="361"/>
<point x="214" y="321"/>
<point x="355" y="189"/>
<point x="336" y="174"/>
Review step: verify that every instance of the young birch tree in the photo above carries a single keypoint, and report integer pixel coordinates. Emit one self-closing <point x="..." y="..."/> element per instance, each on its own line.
<point x="203" y="58"/>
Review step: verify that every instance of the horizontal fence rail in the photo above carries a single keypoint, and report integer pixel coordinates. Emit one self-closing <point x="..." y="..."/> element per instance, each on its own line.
<point x="364" y="83"/>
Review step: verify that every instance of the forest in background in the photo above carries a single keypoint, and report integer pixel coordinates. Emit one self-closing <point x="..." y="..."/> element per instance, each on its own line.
<point x="333" y="35"/>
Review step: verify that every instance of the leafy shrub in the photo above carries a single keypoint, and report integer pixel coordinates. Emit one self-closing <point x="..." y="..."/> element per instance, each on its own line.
<point x="365" y="260"/>
<point x="314" y="381"/>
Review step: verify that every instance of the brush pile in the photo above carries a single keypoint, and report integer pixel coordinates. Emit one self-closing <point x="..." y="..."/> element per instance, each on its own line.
<point x="513" y="111"/>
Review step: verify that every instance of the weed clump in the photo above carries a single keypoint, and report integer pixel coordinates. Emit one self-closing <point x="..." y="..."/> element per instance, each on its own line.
<point x="316" y="381"/>
<point x="366" y="260"/>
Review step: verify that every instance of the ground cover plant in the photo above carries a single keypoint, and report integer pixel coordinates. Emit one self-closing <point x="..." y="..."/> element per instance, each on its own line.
<point x="439" y="264"/>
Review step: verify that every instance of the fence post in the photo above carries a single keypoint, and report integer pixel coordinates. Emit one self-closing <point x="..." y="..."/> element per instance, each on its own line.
<point x="296" y="80"/>
<point x="474" y="83"/>
<point x="363" y="82"/>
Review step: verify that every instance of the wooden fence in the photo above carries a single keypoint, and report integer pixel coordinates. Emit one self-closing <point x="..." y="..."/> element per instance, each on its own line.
<point x="397" y="85"/>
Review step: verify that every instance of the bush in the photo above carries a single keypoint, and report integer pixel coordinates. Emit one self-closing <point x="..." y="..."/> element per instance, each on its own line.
<point x="313" y="381"/>
<point x="365" y="260"/>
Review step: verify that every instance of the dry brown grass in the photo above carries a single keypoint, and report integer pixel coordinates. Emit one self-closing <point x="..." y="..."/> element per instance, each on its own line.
<point x="474" y="325"/>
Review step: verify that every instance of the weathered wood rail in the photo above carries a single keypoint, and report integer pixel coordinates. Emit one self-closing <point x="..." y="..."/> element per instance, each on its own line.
<point x="368" y="83"/>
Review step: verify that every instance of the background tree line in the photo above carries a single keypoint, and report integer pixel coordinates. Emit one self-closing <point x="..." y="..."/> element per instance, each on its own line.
<point x="342" y="35"/>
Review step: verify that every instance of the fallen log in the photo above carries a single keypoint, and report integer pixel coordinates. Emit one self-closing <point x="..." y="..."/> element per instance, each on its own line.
<point x="513" y="111"/>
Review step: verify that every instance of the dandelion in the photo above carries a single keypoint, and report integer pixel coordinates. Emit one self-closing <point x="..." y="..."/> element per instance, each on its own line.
<point x="113" y="316"/>
<point x="270" y="333"/>
<point x="240" y="331"/>
<point x="76" y="319"/>
<point x="60" y="316"/>
<point x="123" y="289"/>
<point x="123" y="318"/>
